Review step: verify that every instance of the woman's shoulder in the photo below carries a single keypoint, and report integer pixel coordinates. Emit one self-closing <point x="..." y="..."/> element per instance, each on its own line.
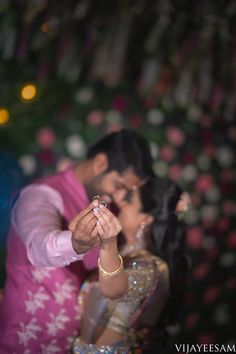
<point x="149" y="263"/>
<point x="146" y="259"/>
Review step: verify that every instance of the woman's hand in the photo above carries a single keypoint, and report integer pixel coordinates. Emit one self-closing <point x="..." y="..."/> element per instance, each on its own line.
<point x="108" y="226"/>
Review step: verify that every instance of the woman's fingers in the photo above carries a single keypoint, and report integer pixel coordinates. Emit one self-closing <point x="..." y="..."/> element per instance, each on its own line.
<point x="110" y="226"/>
<point x="113" y="218"/>
<point x="98" y="213"/>
<point x="100" y="229"/>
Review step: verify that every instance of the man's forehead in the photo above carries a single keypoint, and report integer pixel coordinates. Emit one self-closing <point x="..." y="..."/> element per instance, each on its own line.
<point x="130" y="179"/>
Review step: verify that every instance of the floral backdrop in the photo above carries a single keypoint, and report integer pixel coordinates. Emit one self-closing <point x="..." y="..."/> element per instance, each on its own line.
<point x="72" y="71"/>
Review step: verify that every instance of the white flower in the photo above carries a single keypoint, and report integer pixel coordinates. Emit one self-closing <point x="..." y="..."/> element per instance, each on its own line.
<point x="194" y="113"/>
<point x="64" y="291"/>
<point x="155" y="116"/>
<point x="40" y="273"/>
<point x="78" y="312"/>
<point x="161" y="168"/>
<point x="225" y="156"/>
<point x="113" y="116"/>
<point x="52" y="347"/>
<point x="212" y="194"/>
<point x="208" y="243"/>
<point x="28" y="331"/>
<point x="189" y="173"/>
<point x="75" y="146"/>
<point x="84" y="95"/>
<point x="28" y="164"/>
<point x="36" y="300"/>
<point x="154" y="150"/>
<point x="204" y="163"/>
<point x="71" y="339"/>
<point x="57" y="322"/>
<point x="173" y="330"/>
<point x="209" y="212"/>
<point x="227" y="259"/>
<point x="221" y="315"/>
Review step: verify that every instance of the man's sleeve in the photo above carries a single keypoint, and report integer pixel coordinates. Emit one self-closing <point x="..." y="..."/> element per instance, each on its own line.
<point x="37" y="217"/>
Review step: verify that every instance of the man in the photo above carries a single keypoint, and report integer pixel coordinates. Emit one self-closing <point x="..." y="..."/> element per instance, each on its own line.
<point x="46" y="262"/>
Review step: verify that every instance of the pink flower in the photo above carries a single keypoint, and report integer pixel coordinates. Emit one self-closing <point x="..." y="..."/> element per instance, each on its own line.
<point x="204" y="182"/>
<point x="227" y="175"/>
<point x="167" y="153"/>
<point x="217" y="96"/>
<point x="231" y="240"/>
<point x="95" y="118"/>
<point x="231" y="283"/>
<point x="209" y="150"/>
<point x="119" y="103"/>
<point x="175" y="135"/>
<point x="206" y="121"/>
<point x="207" y="137"/>
<point x="213" y="253"/>
<point x="46" y="137"/>
<point x="150" y="102"/>
<point x="46" y="158"/>
<point x="195" y="237"/>
<point x="175" y="172"/>
<point x="188" y="157"/>
<point x="64" y="111"/>
<point x="206" y="338"/>
<point x="223" y="224"/>
<point x="232" y="133"/>
<point x="136" y="121"/>
<point x="211" y="294"/>
<point x="201" y="270"/>
<point x="192" y="320"/>
<point x="184" y="202"/>
<point x="225" y="189"/>
<point x="229" y="208"/>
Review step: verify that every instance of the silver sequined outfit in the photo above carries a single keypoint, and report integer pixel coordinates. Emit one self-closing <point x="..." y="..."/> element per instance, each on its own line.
<point x="148" y="279"/>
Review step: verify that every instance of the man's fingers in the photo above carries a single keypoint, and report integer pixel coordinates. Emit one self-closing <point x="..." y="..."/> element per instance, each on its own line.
<point x="90" y="226"/>
<point x="83" y="214"/>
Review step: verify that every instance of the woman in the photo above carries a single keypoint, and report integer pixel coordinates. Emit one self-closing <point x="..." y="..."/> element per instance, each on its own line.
<point x="145" y="294"/>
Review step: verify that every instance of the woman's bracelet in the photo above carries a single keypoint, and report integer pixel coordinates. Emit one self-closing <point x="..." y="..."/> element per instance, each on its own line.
<point x="110" y="274"/>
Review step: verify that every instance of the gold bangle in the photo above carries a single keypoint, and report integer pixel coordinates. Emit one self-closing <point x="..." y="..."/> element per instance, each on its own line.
<point x="110" y="274"/>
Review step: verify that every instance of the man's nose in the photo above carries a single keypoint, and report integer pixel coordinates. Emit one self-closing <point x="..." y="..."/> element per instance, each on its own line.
<point x="118" y="197"/>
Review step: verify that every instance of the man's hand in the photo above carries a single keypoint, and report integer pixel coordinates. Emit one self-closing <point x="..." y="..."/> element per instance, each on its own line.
<point x="84" y="231"/>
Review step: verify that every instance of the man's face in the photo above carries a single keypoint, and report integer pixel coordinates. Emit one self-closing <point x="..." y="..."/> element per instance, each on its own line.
<point x="114" y="186"/>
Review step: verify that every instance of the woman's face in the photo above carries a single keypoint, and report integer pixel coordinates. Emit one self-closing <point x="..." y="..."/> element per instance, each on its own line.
<point x="131" y="215"/>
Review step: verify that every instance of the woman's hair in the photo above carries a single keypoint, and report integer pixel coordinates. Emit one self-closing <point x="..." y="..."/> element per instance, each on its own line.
<point x="166" y="238"/>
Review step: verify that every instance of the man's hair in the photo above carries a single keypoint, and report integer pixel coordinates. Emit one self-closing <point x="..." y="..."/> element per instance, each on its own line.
<point x="125" y="149"/>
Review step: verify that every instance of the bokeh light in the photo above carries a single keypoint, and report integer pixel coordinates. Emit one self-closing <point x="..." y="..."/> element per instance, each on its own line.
<point x="4" y="116"/>
<point x="28" y="92"/>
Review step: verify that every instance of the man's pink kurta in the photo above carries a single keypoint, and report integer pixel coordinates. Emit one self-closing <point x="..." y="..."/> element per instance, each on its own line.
<point x="40" y="313"/>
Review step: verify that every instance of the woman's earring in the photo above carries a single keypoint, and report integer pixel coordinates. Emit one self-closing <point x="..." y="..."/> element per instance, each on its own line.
<point x="140" y="233"/>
